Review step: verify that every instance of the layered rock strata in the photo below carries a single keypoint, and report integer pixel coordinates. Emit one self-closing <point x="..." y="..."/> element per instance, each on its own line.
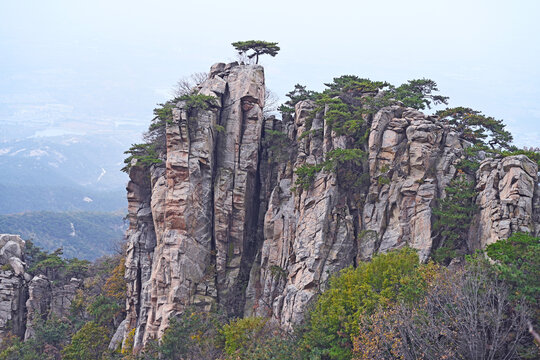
<point x="222" y="223"/>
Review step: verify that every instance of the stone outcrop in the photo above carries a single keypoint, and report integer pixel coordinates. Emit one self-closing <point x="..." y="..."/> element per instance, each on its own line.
<point x="13" y="291"/>
<point x="222" y="223"/>
<point x="24" y="299"/>
<point x="412" y="159"/>
<point x="12" y="297"/>
<point x="507" y="191"/>
<point x="308" y="233"/>
<point x="191" y="220"/>
<point x="38" y="303"/>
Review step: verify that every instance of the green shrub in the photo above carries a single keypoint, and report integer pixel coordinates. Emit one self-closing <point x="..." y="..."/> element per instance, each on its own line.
<point x="354" y="293"/>
<point x="103" y="310"/>
<point x="241" y="334"/>
<point x="192" y="335"/>
<point x="464" y="313"/>
<point x="518" y="263"/>
<point x="89" y="343"/>
<point x="453" y="219"/>
<point x="306" y="174"/>
<point x="145" y="154"/>
<point x="197" y="102"/>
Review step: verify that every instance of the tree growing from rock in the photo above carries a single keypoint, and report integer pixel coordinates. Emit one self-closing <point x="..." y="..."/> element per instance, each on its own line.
<point x="256" y="48"/>
<point x="484" y="132"/>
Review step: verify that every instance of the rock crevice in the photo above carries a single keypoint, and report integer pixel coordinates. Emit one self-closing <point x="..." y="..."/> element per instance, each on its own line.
<point x="223" y="224"/>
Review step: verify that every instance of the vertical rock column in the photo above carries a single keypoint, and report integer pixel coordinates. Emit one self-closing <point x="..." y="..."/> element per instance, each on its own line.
<point x="13" y="290"/>
<point x="141" y="240"/>
<point x="181" y="270"/>
<point x="236" y="197"/>
<point x="204" y="205"/>
<point x="308" y="233"/>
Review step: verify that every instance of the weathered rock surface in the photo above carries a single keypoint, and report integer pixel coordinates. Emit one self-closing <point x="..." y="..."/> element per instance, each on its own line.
<point x="507" y="189"/>
<point x="221" y="223"/>
<point x="13" y="291"/>
<point x="142" y="241"/>
<point x="12" y="298"/>
<point x="191" y="222"/>
<point x="412" y="159"/>
<point x="46" y="299"/>
<point x="38" y="303"/>
<point x="308" y="234"/>
<point x="118" y="336"/>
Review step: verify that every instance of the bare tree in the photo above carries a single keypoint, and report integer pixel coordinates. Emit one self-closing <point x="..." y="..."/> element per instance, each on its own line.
<point x="466" y="314"/>
<point x="186" y="85"/>
<point x="270" y="102"/>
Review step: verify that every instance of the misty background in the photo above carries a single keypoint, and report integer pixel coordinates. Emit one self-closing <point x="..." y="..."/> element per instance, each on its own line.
<point x="79" y="79"/>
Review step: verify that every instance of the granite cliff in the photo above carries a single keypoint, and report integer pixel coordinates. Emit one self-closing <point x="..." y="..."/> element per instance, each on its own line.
<point x="222" y="221"/>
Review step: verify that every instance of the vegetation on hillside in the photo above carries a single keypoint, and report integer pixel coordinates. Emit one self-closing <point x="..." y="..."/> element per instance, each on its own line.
<point x="86" y="235"/>
<point x="94" y="314"/>
<point x="392" y="307"/>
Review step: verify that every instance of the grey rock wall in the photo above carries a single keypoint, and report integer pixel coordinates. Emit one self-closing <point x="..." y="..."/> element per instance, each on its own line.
<point x="222" y="224"/>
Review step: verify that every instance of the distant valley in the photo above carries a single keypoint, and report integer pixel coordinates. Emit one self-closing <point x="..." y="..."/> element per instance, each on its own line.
<point x="85" y="235"/>
<point x="65" y="190"/>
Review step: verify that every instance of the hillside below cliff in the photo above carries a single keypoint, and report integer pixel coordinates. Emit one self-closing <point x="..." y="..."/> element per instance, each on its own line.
<point x="233" y="209"/>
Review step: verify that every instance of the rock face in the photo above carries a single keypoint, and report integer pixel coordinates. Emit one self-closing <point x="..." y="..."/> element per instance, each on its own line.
<point x="221" y="222"/>
<point x="12" y="297"/>
<point x="25" y="299"/>
<point x="412" y="159"/>
<point x="508" y="191"/>
<point x="13" y="291"/>
<point x="308" y="233"/>
<point x="192" y="231"/>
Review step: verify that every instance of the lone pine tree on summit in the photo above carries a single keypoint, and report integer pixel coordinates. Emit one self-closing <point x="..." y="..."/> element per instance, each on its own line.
<point x="258" y="47"/>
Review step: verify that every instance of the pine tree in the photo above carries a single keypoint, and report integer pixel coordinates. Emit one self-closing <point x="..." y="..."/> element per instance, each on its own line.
<point x="454" y="215"/>
<point x="258" y="47"/>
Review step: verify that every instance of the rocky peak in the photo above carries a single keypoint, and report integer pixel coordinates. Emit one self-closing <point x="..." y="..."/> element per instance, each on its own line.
<point x="223" y="222"/>
<point x="193" y="234"/>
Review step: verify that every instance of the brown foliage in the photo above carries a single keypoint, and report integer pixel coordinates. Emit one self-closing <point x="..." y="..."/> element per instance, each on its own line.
<point x="465" y="314"/>
<point x="115" y="286"/>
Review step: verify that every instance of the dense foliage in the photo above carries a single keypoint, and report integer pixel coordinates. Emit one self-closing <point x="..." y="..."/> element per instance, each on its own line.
<point x="465" y="313"/>
<point x="453" y="219"/>
<point x="94" y="314"/>
<point x="518" y="263"/>
<point x="348" y="105"/>
<point x="355" y="293"/>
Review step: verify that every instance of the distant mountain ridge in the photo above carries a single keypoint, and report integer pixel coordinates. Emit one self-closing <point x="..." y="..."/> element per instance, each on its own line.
<point x="63" y="173"/>
<point x="85" y="235"/>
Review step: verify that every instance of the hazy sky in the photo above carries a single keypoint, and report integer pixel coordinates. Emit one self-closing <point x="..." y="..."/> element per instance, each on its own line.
<point x="101" y="65"/>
